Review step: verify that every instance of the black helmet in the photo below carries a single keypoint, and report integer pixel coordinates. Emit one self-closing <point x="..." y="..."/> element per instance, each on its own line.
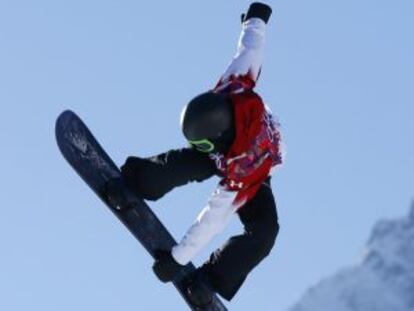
<point x="207" y="122"/>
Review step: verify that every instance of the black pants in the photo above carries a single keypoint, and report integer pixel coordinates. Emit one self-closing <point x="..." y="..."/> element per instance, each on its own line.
<point x="229" y="266"/>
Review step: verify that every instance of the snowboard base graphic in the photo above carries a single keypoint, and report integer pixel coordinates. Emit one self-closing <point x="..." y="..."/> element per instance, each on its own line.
<point x="95" y="167"/>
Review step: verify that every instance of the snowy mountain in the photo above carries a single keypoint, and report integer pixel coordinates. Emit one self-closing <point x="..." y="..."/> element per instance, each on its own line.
<point x="383" y="281"/>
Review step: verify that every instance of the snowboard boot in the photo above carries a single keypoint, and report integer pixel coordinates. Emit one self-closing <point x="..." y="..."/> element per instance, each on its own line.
<point x="118" y="194"/>
<point x="199" y="291"/>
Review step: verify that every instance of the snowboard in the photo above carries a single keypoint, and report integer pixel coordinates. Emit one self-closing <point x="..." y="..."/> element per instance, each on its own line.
<point x="95" y="167"/>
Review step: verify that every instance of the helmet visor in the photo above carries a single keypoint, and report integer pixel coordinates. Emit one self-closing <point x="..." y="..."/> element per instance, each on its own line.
<point x="203" y="145"/>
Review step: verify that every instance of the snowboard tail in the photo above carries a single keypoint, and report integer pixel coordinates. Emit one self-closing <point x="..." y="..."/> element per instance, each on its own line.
<point x="95" y="167"/>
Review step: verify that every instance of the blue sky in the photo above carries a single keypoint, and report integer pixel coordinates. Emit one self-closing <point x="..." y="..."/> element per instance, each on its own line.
<point x="338" y="74"/>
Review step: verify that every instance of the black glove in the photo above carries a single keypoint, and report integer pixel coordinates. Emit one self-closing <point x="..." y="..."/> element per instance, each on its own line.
<point x="259" y="10"/>
<point x="165" y="267"/>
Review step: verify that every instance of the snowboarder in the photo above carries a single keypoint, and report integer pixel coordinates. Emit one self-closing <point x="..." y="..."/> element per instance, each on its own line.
<point x="231" y="134"/>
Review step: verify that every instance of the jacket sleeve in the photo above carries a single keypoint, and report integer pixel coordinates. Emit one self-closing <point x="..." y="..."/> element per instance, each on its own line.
<point x="247" y="61"/>
<point x="212" y="220"/>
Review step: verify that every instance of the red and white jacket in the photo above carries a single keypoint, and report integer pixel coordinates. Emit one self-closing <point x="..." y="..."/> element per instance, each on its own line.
<point x="254" y="153"/>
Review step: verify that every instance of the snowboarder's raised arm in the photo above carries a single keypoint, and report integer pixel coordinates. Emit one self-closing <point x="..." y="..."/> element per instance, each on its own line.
<point x="247" y="62"/>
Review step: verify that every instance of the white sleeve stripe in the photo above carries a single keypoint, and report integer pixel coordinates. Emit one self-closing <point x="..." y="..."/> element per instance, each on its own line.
<point x="249" y="55"/>
<point x="211" y="221"/>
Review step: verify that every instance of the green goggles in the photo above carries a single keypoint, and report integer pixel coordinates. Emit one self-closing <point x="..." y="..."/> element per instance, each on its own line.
<point x="203" y="145"/>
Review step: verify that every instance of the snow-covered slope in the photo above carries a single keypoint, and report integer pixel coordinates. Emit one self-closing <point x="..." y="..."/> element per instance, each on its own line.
<point x="383" y="281"/>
